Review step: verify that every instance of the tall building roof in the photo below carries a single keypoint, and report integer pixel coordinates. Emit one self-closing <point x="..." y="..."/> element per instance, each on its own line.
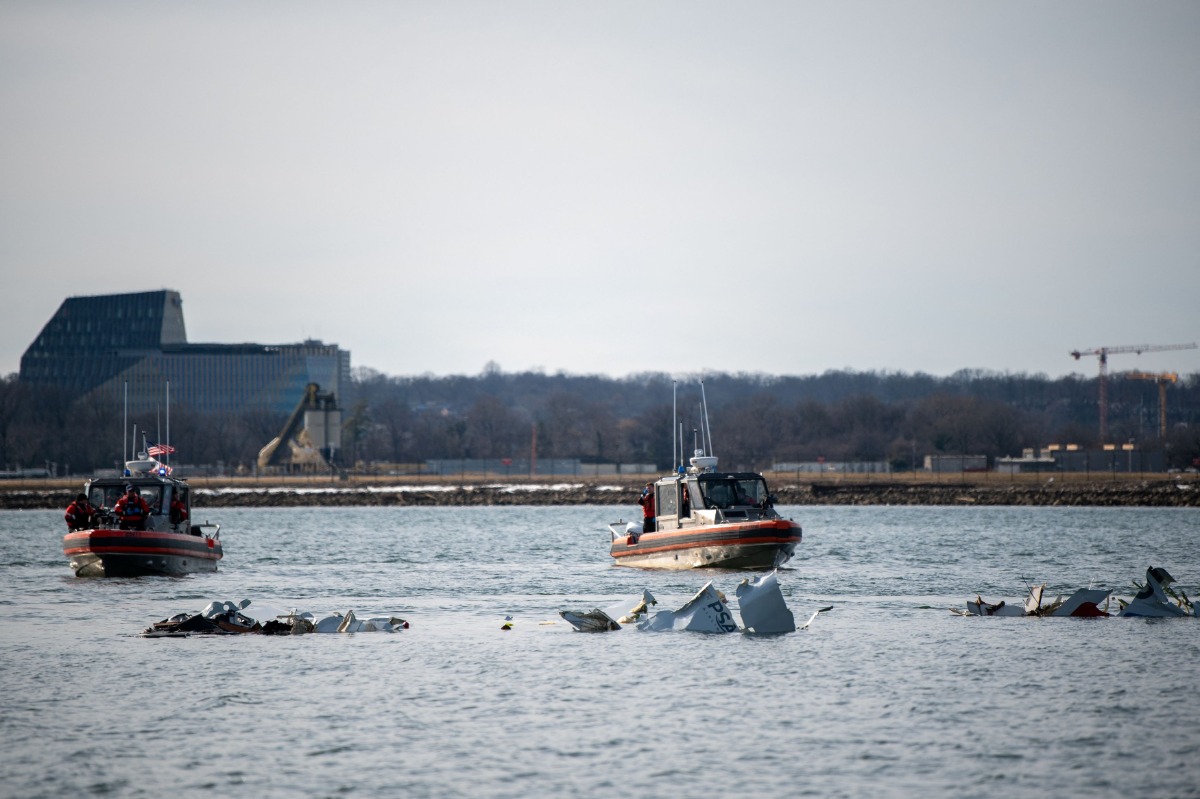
<point x="138" y="342"/>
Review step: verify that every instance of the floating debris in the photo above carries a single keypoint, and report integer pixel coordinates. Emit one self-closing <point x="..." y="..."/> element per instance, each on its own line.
<point x="706" y="612"/>
<point x="611" y="618"/>
<point x="1154" y="599"/>
<point x="594" y="621"/>
<point x="813" y="617"/>
<point x="761" y="602"/>
<point x="226" y="618"/>
<point x="762" y="606"/>
<point x="1084" y="603"/>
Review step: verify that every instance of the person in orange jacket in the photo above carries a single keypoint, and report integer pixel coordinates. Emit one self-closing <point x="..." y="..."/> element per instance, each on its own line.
<point x="79" y="514"/>
<point x="131" y="509"/>
<point x="179" y="513"/>
<point x="647" y="503"/>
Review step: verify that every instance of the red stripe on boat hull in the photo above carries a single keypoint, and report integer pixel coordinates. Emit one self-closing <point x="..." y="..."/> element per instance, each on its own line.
<point x="752" y="545"/>
<point x="131" y="553"/>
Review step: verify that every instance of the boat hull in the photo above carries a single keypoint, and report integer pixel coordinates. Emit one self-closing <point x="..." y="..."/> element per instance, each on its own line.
<point x="134" y="553"/>
<point x="750" y="545"/>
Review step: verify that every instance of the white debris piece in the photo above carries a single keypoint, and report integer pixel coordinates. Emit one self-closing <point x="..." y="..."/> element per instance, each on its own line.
<point x="762" y="606"/>
<point x="1152" y="599"/>
<point x="1084" y="603"/>
<point x="219" y="608"/>
<point x="599" y="620"/>
<point x="705" y="612"/>
<point x="594" y="621"/>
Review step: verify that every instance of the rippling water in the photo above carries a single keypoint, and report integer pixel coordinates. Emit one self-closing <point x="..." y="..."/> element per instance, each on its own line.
<point x="886" y="695"/>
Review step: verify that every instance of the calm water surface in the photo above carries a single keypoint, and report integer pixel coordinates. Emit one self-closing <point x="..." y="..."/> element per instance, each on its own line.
<point x="886" y="695"/>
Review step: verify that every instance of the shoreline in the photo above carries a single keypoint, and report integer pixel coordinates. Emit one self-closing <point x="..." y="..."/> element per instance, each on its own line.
<point x="993" y="490"/>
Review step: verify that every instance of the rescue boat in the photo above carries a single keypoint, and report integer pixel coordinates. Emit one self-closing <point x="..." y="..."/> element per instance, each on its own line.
<point x="708" y="519"/>
<point x="166" y="543"/>
<point x="704" y="518"/>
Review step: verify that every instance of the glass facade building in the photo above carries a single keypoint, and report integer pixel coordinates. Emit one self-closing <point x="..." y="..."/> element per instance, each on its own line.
<point x="109" y="342"/>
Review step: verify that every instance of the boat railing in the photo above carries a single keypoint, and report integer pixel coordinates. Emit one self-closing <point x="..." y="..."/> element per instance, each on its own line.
<point x="202" y="529"/>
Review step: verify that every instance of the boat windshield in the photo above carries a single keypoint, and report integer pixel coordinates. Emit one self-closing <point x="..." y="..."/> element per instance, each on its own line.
<point x="728" y="492"/>
<point x="153" y="497"/>
<point x="107" y="496"/>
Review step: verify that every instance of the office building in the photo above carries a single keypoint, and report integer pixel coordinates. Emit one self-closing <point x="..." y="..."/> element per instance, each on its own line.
<point x="110" y="344"/>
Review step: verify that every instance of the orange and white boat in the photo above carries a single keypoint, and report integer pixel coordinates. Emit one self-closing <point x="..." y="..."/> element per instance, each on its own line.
<point x="165" y="543"/>
<point x="708" y="519"/>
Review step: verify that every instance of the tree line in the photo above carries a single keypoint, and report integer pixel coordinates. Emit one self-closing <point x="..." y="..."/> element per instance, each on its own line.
<point x="756" y="420"/>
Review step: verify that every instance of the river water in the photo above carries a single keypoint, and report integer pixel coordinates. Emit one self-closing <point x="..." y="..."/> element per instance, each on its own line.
<point x="888" y="694"/>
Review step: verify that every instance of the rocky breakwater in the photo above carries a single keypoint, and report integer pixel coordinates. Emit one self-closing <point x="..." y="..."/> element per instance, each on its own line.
<point x="1093" y="494"/>
<point x="420" y="495"/>
<point x="1159" y="493"/>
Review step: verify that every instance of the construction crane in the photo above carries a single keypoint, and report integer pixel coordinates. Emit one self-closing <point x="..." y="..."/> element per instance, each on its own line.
<point x="1103" y="353"/>
<point x="1162" y="378"/>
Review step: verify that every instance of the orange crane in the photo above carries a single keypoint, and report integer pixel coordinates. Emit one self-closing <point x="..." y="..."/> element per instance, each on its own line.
<point x="1162" y="378"/>
<point x="1103" y="353"/>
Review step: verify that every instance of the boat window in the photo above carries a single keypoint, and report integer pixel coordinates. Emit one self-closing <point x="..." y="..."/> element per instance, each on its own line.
<point x="692" y="498"/>
<point x="728" y="492"/>
<point x="717" y="493"/>
<point x="105" y="496"/>
<point x="153" y="497"/>
<point x="667" y="505"/>
<point x="751" y="491"/>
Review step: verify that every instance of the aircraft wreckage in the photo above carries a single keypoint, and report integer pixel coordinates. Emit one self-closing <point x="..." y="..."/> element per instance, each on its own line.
<point x="226" y="618"/>
<point x="761" y="603"/>
<point x="1154" y="599"/>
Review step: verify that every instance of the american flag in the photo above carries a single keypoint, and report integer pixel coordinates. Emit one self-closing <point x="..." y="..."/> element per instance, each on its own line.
<point x="159" y="449"/>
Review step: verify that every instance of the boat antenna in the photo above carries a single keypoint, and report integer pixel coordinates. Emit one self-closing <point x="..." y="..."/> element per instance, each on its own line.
<point x="125" y="431"/>
<point x="707" y="430"/>
<point x="680" y="441"/>
<point x="674" y="442"/>
<point x="167" y="451"/>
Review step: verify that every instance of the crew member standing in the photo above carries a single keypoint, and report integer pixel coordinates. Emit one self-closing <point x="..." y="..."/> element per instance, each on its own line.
<point x="132" y="510"/>
<point x="179" y="513"/>
<point x="647" y="503"/>
<point x="79" y="514"/>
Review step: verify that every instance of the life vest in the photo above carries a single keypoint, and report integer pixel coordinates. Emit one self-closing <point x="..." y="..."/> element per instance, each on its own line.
<point x="132" y="508"/>
<point x="647" y="503"/>
<point x="77" y="515"/>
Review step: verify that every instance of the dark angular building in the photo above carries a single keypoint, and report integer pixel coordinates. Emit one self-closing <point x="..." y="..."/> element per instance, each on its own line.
<point x="105" y="343"/>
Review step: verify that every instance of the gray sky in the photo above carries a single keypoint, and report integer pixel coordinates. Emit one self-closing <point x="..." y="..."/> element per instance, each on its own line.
<point x="615" y="187"/>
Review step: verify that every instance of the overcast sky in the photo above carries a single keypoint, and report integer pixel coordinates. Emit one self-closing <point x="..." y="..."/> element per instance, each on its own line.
<point x="615" y="187"/>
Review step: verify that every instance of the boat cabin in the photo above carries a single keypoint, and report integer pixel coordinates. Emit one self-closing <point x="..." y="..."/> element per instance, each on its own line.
<point x="158" y="490"/>
<point x="702" y="498"/>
